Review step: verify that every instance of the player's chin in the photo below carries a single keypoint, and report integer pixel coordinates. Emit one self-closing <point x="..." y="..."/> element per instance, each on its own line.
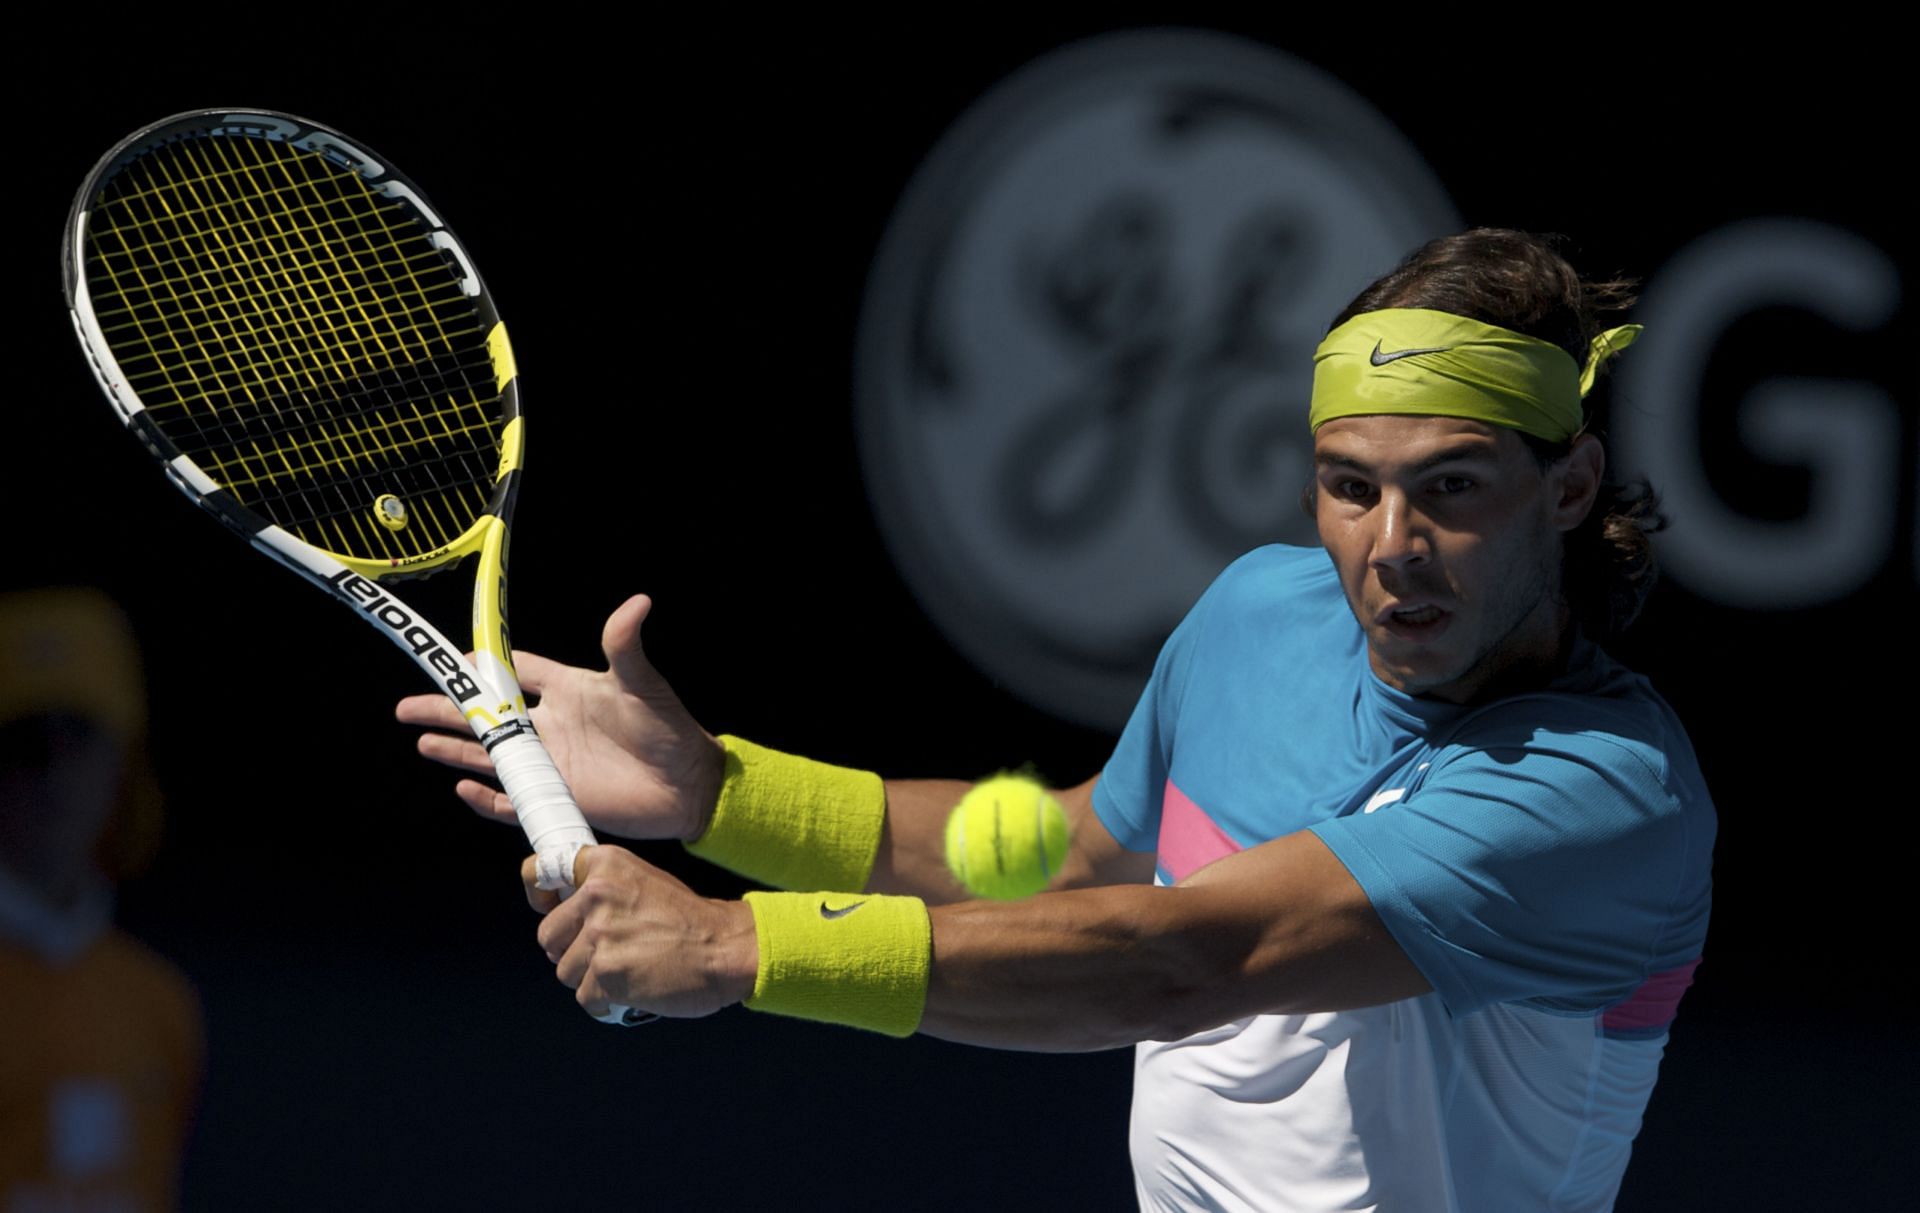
<point x="1413" y="667"/>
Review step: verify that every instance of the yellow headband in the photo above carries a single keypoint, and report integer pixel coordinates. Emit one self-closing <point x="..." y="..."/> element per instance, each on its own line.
<point x="1416" y="361"/>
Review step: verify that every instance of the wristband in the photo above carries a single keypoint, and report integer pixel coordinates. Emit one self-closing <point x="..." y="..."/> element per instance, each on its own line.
<point x="794" y="823"/>
<point x="859" y="959"/>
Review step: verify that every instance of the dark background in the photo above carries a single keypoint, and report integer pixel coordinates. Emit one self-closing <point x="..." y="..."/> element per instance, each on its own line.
<point x="678" y="227"/>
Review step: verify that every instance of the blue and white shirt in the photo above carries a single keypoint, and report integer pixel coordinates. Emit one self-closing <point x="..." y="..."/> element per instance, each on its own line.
<point x="1542" y="859"/>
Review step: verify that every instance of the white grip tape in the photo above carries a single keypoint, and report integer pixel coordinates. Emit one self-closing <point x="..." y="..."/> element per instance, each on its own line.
<point x="553" y="824"/>
<point x="547" y="813"/>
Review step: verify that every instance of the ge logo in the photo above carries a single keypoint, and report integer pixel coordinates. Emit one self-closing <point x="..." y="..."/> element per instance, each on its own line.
<point x="1801" y="317"/>
<point x="1087" y="340"/>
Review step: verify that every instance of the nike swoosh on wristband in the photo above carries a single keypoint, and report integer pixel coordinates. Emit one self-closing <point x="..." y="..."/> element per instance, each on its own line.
<point x="842" y="912"/>
<point x="1380" y="359"/>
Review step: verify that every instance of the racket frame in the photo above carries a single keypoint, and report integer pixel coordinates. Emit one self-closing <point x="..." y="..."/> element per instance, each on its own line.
<point x="485" y="690"/>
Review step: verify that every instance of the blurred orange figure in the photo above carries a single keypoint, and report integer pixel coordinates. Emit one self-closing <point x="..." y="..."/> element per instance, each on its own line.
<point x="100" y="1040"/>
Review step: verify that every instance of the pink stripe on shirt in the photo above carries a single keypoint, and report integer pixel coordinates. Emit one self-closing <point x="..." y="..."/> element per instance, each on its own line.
<point x="1654" y="1004"/>
<point x="1189" y="840"/>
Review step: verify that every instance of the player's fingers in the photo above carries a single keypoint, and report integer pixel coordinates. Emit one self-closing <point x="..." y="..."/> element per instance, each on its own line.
<point x="585" y="860"/>
<point x="486" y="800"/>
<point x="574" y="964"/>
<point x="461" y="753"/>
<point x="534" y="671"/>
<point x="620" y="641"/>
<point x="433" y="711"/>
<point x="593" y="997"/>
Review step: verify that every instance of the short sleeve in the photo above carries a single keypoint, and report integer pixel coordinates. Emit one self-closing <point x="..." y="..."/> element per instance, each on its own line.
<point x="1556" y="868"/>
<point x="1127" y="798"/>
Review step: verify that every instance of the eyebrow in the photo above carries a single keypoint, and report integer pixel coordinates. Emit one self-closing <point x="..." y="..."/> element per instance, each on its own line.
<point x="1459" y="453"/>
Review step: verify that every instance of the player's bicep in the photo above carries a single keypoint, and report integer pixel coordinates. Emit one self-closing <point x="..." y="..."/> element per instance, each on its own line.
<point x="1305" y="935"/>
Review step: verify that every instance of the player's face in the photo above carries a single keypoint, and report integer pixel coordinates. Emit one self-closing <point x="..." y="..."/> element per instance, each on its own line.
<point x="1447" y="537"/>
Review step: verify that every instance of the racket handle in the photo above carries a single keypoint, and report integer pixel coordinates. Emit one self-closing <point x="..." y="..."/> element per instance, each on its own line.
<point x="554" y="827"/>
<point x="553" y="823"/>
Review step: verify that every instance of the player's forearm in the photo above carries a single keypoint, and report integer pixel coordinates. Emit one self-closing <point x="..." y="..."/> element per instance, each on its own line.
<point x="1081" y="970"/>
<point x="1281" y="927"/>
<point x="911" y="858"/>
<point x="1099" y="968"/>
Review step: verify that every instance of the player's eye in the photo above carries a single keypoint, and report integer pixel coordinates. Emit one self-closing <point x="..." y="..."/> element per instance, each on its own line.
<point x="1453" y="484"/>
<point x="1352" y="490"/>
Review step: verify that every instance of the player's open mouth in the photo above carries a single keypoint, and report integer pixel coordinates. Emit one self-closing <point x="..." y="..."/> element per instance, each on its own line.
<point x="1419" y="622"/>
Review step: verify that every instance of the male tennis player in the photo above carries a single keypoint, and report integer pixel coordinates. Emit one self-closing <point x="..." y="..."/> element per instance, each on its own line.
<point x="1395" y="877"/>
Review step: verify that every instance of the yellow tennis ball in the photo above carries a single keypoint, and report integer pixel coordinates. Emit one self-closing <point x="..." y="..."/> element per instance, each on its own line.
<point x="1006" y="838"/>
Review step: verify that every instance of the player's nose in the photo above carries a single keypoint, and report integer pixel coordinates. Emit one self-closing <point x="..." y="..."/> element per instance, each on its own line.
<point x="1399" y="539"/>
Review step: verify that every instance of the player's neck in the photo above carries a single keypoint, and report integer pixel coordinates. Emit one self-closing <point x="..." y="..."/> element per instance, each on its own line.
<point x="1529" y="659"/>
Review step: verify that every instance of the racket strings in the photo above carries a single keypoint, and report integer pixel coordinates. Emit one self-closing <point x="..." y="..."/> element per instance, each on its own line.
<point x="330" y="320"/>
<point x="337" y="448"/>
<point x="299" y="336"/>
<point x="411" y="246"/>
<point x="333" y="515"/>
<point x="351" y="449"/>
<point x="361" y="465"/>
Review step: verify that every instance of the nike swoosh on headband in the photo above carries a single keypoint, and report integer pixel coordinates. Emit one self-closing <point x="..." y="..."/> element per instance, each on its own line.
<point x="1380" y="359"/>
<point x="842" y="912"/>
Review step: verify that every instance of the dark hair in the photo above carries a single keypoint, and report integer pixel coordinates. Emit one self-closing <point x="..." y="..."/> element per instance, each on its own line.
<point x="1521" y="281"/>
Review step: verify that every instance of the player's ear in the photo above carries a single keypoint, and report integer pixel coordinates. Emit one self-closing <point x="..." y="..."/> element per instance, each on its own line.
<point x="1575" y="480"/>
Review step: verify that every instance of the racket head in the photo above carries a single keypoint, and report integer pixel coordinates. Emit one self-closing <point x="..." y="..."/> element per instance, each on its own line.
<point x="288" y="325"/>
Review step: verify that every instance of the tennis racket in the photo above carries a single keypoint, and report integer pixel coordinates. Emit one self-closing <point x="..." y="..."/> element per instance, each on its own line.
<point x="287" y="326"/>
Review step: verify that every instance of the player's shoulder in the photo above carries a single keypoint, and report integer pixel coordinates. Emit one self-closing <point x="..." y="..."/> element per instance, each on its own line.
<point x="1600" y="716"/>
<point x="1276" y="572"/>
<point x="1272" y="599"/>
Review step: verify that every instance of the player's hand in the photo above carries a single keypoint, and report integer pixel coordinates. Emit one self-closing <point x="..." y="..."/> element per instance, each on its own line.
<point x="637" y="762"/>
<point x="633" y="936"/>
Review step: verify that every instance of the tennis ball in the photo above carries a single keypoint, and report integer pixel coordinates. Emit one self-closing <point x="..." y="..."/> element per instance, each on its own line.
<point x="1006" y="838"/>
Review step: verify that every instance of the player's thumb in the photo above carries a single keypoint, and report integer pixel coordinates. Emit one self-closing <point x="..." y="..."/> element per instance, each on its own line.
<point x="620" y="641"/>
<point x="583" y="861"/>
<point x="542" y="900"/>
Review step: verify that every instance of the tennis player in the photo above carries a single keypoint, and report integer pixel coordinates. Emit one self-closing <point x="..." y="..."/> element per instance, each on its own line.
<point x="1395" y="878"/>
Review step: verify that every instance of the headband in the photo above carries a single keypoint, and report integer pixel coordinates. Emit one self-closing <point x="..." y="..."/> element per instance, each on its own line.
<point x="1419" y="362"/>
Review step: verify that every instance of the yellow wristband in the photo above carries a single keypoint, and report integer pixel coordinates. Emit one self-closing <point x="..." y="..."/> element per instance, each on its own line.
<point x="794" y="823"/>
<point x="859" y="959"/>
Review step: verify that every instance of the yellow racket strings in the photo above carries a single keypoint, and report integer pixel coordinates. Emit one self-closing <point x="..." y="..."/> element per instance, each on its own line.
<point x="301" y="338"/>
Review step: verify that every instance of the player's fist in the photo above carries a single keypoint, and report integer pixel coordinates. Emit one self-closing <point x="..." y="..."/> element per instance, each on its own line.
<point x="632" y="935"/>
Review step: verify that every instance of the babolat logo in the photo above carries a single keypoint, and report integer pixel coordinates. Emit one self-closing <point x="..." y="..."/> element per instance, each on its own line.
<point x="365" y="595"/>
